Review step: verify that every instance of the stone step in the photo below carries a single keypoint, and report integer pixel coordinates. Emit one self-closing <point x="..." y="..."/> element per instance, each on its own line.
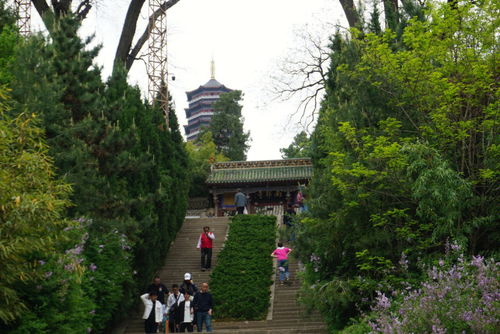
<point x="281" y="323"/>
<point x="287" y="315"/>
<point x="287" y="330"/>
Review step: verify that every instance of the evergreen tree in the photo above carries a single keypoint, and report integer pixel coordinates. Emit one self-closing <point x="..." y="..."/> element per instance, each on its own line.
<point x="403" y="151"/>
<point x="299" y="148"/>
<point x="227" y="126"/>
<point x="128" y="173"/>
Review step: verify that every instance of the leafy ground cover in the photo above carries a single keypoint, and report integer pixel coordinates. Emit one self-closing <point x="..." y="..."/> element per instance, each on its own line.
<point x="240" y="282"/>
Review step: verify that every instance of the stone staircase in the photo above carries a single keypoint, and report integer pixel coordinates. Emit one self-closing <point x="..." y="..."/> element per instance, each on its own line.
<point x="287" y="315"/>
<point x="184" y="257"/>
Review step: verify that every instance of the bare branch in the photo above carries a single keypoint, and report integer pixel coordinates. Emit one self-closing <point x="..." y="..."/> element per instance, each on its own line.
<point x="303" y="74"/>
<point x="124" y="53"/>
<point x="83" y="9"/>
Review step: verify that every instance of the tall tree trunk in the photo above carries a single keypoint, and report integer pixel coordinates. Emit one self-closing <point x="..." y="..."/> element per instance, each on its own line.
<point x="128" y="32"/>
<point x="350" y="12"/>
<point x="391" y="14"/>
<point x="125" y="53"/>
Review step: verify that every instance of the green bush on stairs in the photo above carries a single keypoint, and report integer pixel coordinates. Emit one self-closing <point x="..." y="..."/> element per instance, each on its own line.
<point x="240" y="282"/>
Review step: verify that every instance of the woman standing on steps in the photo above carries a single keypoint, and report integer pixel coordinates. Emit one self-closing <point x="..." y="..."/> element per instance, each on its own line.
<point x="281" y="254"/>
<point x="205" y="243"/>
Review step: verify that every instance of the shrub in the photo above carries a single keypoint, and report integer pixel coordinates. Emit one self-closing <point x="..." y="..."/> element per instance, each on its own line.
<point x="240" y="282"/>
<point x="40" y="289"/>
<point x="456" y="298"/>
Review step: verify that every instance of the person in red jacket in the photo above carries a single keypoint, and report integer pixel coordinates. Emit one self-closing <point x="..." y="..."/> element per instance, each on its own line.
<point x="205" y="243"/>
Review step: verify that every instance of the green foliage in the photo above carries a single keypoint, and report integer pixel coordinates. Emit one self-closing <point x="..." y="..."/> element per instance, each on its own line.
<point x="129" y="175"/>
<point x="405" y="155"/>
<point x="227" y="127"/>
<point x="39" y="281"/>
<point x="299" y="148"/>
<point x="244" y="268"/>
<point x="202" y="154"/>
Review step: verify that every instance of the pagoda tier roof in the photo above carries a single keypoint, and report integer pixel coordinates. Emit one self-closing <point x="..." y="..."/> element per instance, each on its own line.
<point x="210" y="85"/>
<point x="262" y="171"/>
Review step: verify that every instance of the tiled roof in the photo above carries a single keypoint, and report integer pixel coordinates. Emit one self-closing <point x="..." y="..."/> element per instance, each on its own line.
<point x="260" y="171"/>
<point x="212" y="83"/>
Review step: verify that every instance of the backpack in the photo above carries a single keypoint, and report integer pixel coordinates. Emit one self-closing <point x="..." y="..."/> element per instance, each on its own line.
<point x="173" y="308"/>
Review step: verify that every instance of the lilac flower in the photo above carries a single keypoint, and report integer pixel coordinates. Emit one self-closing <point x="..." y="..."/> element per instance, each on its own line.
<point x="69" y="267"/>
<point x="75" y="251"/>
<point x="438" y="330"/>
<point x="92" y="267"/>
<point x="441" y="263"/>
<point x="477" y="261"/>
<point x="382" y="301"/>
<point x="92" y="312"/>
<point x="48" y="274"/>
<point x="467" y="316"/>
<point x="455" y="247"/>
<point x="41" y="262"/>
<point x="101" y="246"/>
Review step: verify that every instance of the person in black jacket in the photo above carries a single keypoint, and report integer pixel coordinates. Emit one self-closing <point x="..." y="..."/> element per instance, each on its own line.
<point x="160" y="289"/>
<point x="184" y="314"/>
<point x="203" y="305"/>
<point x="188" y="285"/>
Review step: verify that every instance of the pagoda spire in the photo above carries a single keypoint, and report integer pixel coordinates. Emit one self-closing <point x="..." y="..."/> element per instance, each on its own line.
<point x="212" y="69"/>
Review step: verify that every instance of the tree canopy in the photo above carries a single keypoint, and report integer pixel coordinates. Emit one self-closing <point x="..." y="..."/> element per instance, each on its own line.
<point x="226" y="126"/>
<point x="299" y="148"/>
<point x="405" y="154"/>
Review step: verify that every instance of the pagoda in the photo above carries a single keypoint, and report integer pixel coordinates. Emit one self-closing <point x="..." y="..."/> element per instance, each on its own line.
<point x="201" y="100"/>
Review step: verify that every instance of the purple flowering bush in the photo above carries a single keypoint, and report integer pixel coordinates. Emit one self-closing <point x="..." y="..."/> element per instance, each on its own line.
<point x="57" y="301"/>
<point x="462" y="297"/>
<point x="108" y="280"/>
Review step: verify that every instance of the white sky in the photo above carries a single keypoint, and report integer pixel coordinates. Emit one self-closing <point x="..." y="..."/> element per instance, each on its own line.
<point x="247" y="39"/>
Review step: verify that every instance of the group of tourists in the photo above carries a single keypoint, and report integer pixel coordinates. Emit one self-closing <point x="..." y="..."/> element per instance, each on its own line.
<point x="185" y="306"/>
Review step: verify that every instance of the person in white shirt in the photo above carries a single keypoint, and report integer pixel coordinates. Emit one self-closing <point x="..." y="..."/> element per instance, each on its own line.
<point x="205" y="243"/>
<point x="152" y="312"/>
<point x="185" y="314"/>
<point x="172" y="306"/>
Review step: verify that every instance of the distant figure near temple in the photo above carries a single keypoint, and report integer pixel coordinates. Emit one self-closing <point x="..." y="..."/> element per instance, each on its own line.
<point x="240" y="201"/>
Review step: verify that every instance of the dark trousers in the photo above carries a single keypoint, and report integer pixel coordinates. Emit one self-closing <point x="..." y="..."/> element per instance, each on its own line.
<point x="172" y="324"/>
<point x="186" y="325"/>
<point x="203" y="318"/>
<point x="150" y="326"/>
<point x="206" y="257"/>
<point x="240" y="209"/>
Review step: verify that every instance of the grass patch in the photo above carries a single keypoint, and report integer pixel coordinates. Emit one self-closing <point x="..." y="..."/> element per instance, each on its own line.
<point x="240" y="282"/>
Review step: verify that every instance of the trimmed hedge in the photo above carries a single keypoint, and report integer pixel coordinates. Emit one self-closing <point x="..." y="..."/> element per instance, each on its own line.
<point x="240" y="282"/>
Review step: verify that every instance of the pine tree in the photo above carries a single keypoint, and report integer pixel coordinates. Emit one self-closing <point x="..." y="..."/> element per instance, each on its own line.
<point x="227" y="126"/>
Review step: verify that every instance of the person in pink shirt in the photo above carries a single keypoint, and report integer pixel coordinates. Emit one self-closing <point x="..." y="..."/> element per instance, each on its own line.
<point x="281" y="254"/>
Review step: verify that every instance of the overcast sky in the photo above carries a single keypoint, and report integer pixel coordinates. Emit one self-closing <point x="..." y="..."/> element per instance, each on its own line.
<point x="248" y="41"/>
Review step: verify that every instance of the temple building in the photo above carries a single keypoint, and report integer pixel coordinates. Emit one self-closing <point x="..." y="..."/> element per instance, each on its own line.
<point x="200" y="110"/>
<point x="268" y="184"/>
